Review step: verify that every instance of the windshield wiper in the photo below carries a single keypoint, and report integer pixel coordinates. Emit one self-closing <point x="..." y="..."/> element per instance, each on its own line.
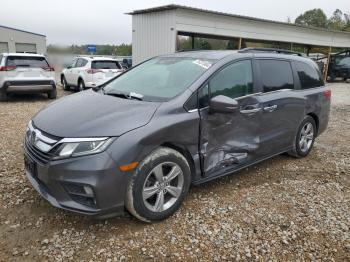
<point x="131" y="95"/>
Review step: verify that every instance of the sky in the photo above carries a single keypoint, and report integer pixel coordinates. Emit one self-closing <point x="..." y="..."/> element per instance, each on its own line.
<point x="67" y="22"/>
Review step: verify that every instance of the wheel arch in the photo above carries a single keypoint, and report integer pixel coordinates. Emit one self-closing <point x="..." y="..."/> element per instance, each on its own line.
<point x="316" y="119"/>
<point x="185" y="152"/>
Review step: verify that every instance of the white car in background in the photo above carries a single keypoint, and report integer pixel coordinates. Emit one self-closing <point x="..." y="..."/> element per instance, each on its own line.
<point x="88" y="72"/>
<point x="26" y="73"/>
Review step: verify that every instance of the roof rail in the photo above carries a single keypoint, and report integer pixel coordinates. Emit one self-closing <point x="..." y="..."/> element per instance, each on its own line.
<point x="270" y="50"/>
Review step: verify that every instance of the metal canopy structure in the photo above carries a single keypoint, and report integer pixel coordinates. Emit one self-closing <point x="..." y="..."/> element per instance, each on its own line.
<point x="164" y="29"/>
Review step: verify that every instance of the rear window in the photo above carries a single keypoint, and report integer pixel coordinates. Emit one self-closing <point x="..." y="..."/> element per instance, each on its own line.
<point x="308" y="75"/>
<point x="27" y="61"/>
<point x="276" y="75"/>
<point x="105" y="65"/>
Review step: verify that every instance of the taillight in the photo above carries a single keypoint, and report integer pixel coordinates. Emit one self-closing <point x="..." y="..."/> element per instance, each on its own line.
<point x="93" y="71"/>
<point x="327" y="94"/>
<point x="48" y="68"/>
<point x="7" y="68"/>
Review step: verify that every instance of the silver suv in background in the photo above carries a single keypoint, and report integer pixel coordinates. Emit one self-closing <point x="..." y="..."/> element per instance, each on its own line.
<point x="26" y="73"/>
<point x="87" y="72"/>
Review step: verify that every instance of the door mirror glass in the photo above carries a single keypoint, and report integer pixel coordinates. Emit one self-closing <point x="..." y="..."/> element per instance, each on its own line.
<point x="223" y="104"/>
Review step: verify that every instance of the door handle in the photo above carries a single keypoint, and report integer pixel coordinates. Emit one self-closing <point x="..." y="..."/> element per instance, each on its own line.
<point x="250" y="111"/>
<point x="270" y="109"/>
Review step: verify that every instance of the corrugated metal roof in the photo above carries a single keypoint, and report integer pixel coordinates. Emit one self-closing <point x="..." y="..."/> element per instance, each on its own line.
<point x="173" y="6"/>
<point x="21" y="30"/>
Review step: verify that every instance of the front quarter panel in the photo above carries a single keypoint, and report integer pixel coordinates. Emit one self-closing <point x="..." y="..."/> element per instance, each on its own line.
<point x="179" y="128"/>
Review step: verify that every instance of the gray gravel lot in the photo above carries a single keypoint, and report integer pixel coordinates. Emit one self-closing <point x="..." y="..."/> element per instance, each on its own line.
<point x="282" y="209"/>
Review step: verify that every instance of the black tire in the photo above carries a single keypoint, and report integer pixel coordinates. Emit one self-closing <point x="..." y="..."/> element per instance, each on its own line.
<point x="331" y="78"/>
<point x="65" y="85"/>
<point x="52" y="94"/>
<point x="81" y="85"/>
<point x="3" y="96"/>
<point x="135" y="202"/>
<point x="298" y="150"/>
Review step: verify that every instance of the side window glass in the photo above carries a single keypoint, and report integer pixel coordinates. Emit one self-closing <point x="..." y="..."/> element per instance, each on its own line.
<point x="83" y="62"/>
<point x="203" y="97"/>
<point x="74" y="64"/>
<point x="234" y="81"/>
<point x="276" y="75"/>
<point x="309" y="76"/>
<point x="79" y="62"/>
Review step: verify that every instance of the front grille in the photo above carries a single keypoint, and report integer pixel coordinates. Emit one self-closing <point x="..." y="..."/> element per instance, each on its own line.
<point x="36" y="154"/>
<point x="38" y="144"/>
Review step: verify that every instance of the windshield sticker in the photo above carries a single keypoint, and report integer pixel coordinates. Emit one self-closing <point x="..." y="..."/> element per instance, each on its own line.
<point x="201" y="63"/>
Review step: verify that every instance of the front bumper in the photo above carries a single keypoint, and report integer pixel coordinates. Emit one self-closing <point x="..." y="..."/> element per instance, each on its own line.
<point x="53" y="180"/>
<point x="37" y="86"/>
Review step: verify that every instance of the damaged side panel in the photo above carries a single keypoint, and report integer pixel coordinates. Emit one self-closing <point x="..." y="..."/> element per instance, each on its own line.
<point x="229" y="140"/>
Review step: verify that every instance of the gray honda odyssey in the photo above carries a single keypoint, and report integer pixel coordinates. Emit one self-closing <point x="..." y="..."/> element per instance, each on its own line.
<point x="139" y="141"/>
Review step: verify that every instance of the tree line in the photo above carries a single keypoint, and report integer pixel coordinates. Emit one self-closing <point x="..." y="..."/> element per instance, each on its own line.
<point x="117" y="50"/>
<point x="317" y="18"/>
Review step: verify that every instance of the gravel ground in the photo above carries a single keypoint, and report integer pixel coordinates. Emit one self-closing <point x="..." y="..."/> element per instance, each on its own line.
<point x="282" y="209"/>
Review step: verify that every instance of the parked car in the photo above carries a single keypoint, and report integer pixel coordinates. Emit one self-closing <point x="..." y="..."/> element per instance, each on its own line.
<point x="139" y="141"/>
<point x="26" y="73"/>
<point x="127" y="62"/>
<point x="87" y="72"/>
<point x="339" y="67"/>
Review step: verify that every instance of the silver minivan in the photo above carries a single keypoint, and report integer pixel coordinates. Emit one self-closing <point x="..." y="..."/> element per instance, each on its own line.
<point x="26" y="73"/>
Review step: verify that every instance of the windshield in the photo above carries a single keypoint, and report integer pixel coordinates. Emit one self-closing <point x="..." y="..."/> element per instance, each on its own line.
<point x="344" y="62"/>
<point x="159" y="79"/>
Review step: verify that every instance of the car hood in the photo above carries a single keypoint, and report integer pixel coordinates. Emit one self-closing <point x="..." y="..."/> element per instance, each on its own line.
<point x="92" y="114"/>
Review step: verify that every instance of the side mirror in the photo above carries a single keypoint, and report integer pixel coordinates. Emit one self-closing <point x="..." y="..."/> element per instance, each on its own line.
<point x="223" y="104"/>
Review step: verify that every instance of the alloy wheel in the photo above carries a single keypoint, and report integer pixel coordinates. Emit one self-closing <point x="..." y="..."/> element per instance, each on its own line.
<point x="163" y="187"/>
<point x="306" y="137"/>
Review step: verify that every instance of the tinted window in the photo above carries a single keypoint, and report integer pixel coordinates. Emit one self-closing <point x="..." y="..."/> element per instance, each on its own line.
<point x="27" y="61"/>
<point x="233" y="81"/>
<point x="309" y="76"/>
<point x="276" y="75"/>
<point x="105" y="65"/>
<point x="161" y="78"/>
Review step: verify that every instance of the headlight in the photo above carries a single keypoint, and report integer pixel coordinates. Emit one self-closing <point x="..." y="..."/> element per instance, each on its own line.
<point x="70" y="147"/>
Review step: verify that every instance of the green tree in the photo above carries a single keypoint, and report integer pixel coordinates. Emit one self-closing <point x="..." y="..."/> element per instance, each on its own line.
<point x="123" y="50"/>
<point x="315" y="17"/>
<point x="336" y="22"/>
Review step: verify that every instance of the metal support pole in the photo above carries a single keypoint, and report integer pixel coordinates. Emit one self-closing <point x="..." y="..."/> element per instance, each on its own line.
<point x="192" y="36"/>
<point x="328" y="61"/>
<point x="240" y="43"/>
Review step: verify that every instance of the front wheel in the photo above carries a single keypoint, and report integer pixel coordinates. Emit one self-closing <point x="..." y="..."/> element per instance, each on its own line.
<point x="305" y="138"/>
<point x="65" y="84"/>
<point x="159" y="185"/>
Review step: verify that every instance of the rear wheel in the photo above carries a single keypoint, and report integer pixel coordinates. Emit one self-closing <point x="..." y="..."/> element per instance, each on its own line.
<point x="65" y="84"/>
<point x="305" y="138"/>
<point x="81" y="85"/>
<point x="3" y="96"/>
<point x="52" y="94"/>
<point x="159" y="185"/>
